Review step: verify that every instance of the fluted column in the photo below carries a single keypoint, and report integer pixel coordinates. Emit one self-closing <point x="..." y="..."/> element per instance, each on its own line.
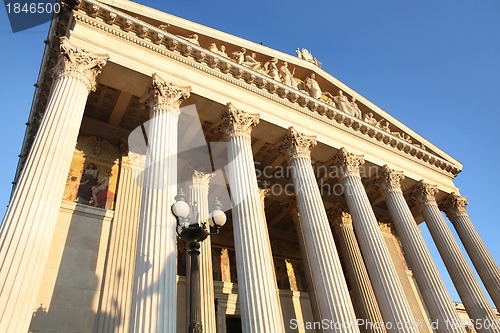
<point x="306" y="262"/>
<point x="29" y="223"/>
<point x="356" y="270"/>
<point x="257" y="288"/>
<point x="155" y="299"/>
<point x="454" y="207"/>
<point x="332" y="295"/>
<point x="263" y="193"/>
<point x="388" y="289"/>
<point x="115" y="306"/>
<point x="467" y="286"/>
<point x="199" y="194"/>
<point x="436" y="298"/>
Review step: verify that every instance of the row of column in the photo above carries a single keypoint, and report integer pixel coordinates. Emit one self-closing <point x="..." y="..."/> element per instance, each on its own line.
<point x="24" y="246"/>
<point x="259" y="298"/>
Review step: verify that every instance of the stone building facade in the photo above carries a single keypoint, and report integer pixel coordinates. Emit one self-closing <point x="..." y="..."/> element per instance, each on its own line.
<point x="324" y="192"/>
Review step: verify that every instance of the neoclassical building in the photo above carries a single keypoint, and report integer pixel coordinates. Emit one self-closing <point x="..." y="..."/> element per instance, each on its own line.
<point x="324" y="192"/>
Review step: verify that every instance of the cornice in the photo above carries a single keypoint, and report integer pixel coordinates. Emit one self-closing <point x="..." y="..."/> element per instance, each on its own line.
<point x="133" y="30"/>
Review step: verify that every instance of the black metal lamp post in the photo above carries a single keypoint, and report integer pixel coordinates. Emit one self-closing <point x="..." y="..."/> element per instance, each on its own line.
<point x="193" y="232"/>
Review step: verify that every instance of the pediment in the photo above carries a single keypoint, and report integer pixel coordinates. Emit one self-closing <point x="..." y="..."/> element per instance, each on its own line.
<point x="309" y="86"/>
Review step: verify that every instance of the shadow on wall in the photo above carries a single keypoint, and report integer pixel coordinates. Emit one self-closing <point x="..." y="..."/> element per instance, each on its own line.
<point x="72" y="296"/>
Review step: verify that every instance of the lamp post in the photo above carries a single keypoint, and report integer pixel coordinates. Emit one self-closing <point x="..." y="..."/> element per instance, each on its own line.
<point x="193" y="232"/>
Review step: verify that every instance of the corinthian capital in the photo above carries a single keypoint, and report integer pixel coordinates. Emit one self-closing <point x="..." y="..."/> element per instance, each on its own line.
<point x="389" y="180"/>
<point x="201" y="179"/>
<point x="339" y="217"/>
<point x="236" y="122"/>
<point x="454" y="205"/>
<point x="423" y="193"/>
<point x="165" y="96"/>
<point x="79" y="63"/>
<point x="297" y="144"/>
<point x="348" y="163"/>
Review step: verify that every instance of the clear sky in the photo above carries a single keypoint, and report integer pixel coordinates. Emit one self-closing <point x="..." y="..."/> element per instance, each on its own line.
<point x="434" y="65"/>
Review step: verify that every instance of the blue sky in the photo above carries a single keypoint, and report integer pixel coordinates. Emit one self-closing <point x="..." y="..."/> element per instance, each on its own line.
<point x="434" y="65"/>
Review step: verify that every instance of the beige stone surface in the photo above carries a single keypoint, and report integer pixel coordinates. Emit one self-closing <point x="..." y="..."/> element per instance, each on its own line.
<point x="69" y="295"/>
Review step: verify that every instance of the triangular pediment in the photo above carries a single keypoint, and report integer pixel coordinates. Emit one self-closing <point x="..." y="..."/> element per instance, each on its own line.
<point x="310" y="87"/>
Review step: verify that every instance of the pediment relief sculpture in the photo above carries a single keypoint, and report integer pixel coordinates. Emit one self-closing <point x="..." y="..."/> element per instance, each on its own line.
<point x="287" y="76"/>
<point x="261" y="63"/>
<point x="308" y="85"/>
<point x="213" y="48"/>
<point x="312" y="86"/>
<point x="193" y="38"/>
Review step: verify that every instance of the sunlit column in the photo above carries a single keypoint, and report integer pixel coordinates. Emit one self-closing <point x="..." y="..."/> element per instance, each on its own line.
<point x="386" y="284"/>
<point x="28" y="227"/>
<point x="467" y="286"/>
<point x="258" y="291"/>
<point x="356" y="270"/>
<point x="454" y="207"/>
<point x="263" y="193"/>
<point x="294" y="212"/>
<point x="155" y="298"/>
<point x="437" y="300"/>
<point x="119" y="275"/>
<point x="330" y="288"/>
<point x="199" y="194"/>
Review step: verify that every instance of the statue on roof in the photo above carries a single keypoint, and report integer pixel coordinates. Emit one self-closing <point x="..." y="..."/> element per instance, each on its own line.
<point x="299" y="53"/>
<point x="307" y="56"/>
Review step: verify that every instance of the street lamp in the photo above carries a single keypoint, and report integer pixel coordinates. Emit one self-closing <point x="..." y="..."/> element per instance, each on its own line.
<point x="193" y="231"/>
